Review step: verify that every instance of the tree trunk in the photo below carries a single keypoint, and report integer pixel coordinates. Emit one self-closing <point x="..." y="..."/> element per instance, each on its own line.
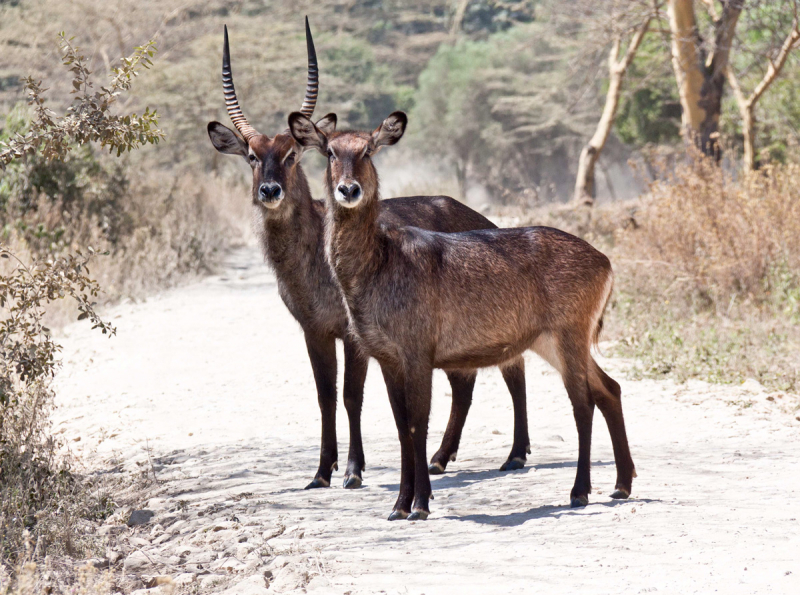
<point x="686" y="62"/>
<point x="747" y="112"/>
<point x="748" y="128"/>
<point x="701" y="79"/>
<point x="584" y="183"/>
<point x="458" y="18"/>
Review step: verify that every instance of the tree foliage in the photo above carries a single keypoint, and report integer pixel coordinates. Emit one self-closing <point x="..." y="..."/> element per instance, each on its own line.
<point x="763" y="31"/>
<point x="89" y="117"/>
<point x="650" y="111"/>
<point x="507" y="110"/>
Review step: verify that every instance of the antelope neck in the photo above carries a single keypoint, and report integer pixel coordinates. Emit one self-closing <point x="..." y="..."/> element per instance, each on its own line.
<point x="353" y="242"/>
<point x="291" y="238"/>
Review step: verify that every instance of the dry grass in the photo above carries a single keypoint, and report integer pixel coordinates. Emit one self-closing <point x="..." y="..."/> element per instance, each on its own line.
<point x="167" y="229"/>
<point x="724" y="239"/>
<point x="708" y="278"/>
<point x="33" y="578"/>
<point x="183" y="226"/>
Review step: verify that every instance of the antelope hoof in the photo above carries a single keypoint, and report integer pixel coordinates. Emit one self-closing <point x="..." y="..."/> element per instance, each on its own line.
<point x="579" y="501"/>
<point x="528" y="449"/>
<point x="512" y="464"/>
<point x="318" y="482"/>
<point x="435" y="469"/>
<point x="352" y="482"/>
<point x="418" y="515"/>
<point x="621" y="494"/>
<point x="398" y="515"/>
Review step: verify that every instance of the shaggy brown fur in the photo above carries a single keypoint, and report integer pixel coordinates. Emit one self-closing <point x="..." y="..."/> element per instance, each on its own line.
<point x="291" y="237"/>
<point x="291" y="234"/>
<point x="420" y="300"/>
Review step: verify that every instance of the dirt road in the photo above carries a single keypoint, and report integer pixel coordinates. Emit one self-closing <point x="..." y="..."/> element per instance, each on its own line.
<point x="213" y="379"/>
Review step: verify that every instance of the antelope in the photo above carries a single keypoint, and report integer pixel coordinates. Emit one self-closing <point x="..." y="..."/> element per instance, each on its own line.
<point x="290" y="225"/>
<point x="421" y="299"/>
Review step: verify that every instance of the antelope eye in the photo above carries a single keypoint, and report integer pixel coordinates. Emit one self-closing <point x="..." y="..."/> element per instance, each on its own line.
<point x="290" y="158"/>
<point x="331" y="155"/>
<point x="252" y="158"/>
<point x="368" y="152"/>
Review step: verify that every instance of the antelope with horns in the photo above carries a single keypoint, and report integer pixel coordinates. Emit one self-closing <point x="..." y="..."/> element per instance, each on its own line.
<point x="291" y="234"/>
<point x="420" y="300"/>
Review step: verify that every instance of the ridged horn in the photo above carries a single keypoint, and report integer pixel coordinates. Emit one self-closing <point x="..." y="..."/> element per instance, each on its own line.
<point x="312" y="86"/>
<point x="234" y="111"/>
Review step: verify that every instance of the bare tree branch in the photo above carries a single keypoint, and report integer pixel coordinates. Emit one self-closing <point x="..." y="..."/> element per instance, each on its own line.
<point x="747" y="103"/>
<point x="775" y="66"/>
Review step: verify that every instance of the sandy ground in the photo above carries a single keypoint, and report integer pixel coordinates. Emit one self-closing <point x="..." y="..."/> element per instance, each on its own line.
<point x="212" y="384"/>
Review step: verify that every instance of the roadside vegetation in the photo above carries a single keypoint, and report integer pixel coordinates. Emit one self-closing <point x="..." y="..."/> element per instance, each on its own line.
<point x="70" y="209"/>
<point x="708" y="278"/>
<point x="103" y="197"/>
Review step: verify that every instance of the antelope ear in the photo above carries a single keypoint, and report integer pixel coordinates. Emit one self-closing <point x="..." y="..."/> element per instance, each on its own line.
<point x="226" y="140"/>
<point x="306" y="134"/>
<point x="327" y="124"/>
<point x="390" y="131"/>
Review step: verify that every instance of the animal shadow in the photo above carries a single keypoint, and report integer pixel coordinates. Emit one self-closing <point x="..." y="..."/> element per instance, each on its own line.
<point x="514" y="519"/>
<point x="462" y="479"/>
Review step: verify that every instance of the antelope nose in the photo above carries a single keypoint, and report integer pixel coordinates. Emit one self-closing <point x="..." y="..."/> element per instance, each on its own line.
<point x="269" y="191"/>
<point x="350" y="191"/>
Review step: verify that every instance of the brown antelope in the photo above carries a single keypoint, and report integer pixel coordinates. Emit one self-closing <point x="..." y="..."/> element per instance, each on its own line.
<point x="420" y="300"/>
<point x="290" y="223"/>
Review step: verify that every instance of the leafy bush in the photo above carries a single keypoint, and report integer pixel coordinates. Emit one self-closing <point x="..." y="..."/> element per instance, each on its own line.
<point x="157" y="227"/>
<point x="46" y="196"/>
<point x="89" y="117"/>
<point x="53" y="184"/>
<point x="36" y="487"/>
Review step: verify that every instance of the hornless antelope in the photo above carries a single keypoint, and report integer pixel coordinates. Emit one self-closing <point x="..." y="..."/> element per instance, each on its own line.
<point x="420" y="300"/>
<point x="291" y="236"/>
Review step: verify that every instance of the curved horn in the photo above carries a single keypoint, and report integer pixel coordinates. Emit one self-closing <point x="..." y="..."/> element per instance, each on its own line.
<point x="312" y="87"/>
<point x="234" y="111"/>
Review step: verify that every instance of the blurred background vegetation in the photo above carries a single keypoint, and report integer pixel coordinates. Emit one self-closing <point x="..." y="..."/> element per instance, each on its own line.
<point x="503" y="104"/>
<point x="502" y="96"/>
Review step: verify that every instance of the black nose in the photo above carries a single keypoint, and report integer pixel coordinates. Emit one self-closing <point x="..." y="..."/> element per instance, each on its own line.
<point x="269" y="191"/>
<point x="350" y="191"/>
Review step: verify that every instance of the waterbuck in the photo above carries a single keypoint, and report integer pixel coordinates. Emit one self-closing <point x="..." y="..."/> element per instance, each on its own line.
<point x="290" y="224"/>
<point x="420" y="300"/>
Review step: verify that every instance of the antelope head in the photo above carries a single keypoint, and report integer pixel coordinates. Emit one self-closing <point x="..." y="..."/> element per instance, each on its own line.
<point x="351" y="176"/>
<point x="274" y="160"/>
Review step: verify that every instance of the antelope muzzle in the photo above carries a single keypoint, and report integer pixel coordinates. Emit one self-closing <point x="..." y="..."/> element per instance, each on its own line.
<point x="270" y="193"/>
<point x="348" y="193"/>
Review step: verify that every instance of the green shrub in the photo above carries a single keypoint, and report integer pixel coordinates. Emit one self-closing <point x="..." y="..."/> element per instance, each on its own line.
<point x="36" y="488"/>
<point x="52" y="186"/>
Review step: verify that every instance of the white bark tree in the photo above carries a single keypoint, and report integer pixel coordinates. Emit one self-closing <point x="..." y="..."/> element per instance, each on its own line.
<point x="617" y="67"/>
<point x="747" y="103"/>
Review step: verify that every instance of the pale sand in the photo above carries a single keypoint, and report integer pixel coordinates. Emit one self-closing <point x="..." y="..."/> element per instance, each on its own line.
<point x="215" y="379"/>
